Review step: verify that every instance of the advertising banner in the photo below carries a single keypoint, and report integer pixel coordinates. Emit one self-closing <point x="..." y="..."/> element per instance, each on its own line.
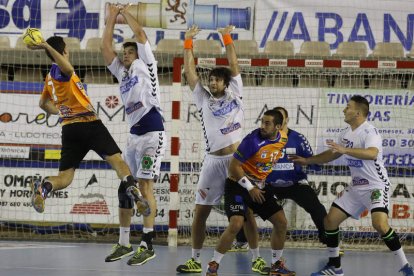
<point x="369" y="21"/>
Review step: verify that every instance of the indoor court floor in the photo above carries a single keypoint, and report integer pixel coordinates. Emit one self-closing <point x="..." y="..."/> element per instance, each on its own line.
<point x="87" y="259"/>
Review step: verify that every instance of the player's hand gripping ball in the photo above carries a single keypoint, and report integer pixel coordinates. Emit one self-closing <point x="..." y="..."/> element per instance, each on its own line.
<point x="32" y="37"/>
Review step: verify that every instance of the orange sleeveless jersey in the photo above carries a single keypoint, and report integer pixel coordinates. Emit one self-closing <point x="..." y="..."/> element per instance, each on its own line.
<point x="258" y="155"/>
<point x="70" y="98"/>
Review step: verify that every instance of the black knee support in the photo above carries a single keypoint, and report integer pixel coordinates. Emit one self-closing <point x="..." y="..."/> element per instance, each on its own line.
<point x="125" y="202"/>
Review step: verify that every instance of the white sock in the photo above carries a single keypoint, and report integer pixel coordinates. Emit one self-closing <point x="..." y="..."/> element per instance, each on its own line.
<point x="217" y="257"/>
<point x="147" y="230"/>
<point x="124" y="236"/>
<point x="255" y="253"/>
<point x="333" y="252"/>
<point x="276" y="255"/>
<point x="401" y="258"/>
<point x="195" y="254"/>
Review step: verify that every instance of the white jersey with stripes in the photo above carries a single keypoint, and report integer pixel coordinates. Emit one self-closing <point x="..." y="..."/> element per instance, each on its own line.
<point x="139" y="87"/>
<point x="364" y="173"/>
<point x="221" y="118"/>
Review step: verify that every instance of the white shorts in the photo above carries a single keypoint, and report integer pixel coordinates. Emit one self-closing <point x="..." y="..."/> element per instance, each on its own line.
<point x="210" y="186"/>
<point x="143" y="154"/>
<point x="355" y="201"/>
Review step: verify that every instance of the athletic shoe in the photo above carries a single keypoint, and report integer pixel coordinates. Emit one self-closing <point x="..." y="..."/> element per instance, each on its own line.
<point x="407" y="270"/>
<point x="38" y="201"/>
<point x="142" y="204"/>
<point x="142" y="256"/>
<point x="190" y="266"/>
<point x="259" y="266"/>
<point x="239" y="247"/>
<point x="212" y="269"/>
<point x="118" y="252"/>
<point x="329" y="270"/>
<point x="279" y="269"/>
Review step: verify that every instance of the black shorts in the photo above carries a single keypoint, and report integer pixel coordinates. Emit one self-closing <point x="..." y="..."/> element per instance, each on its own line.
<point x="237" y="199"/>
<point x="79" y="138"/>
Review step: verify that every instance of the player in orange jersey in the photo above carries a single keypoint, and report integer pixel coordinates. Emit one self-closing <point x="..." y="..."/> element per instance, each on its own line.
<point x="245" y="188"/>
<point x="82" y="130"/>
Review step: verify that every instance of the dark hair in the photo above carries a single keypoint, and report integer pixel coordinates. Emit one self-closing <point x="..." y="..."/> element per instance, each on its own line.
<point x="279" y="108"/>
<point x="362" y="104"/>
<point x="277" y="116"/>
<point x="130" y="44"/>
<point x="221" y="73"/>
<point x="57" y="43"/>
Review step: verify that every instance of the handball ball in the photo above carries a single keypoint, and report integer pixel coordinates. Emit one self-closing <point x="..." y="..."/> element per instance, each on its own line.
<point x="32" y="37"/>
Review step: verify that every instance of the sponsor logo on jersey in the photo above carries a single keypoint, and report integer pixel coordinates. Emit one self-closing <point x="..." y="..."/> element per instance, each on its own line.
<point x="264" y="154"/>
<point x="283" y="167"/>
<point x="264" y="167"/>
<point x="65" y="111"/>
<point x="290" y="150"/>
<point x="236" y="208"/>
<point x="230" y="129"/>
<point x="376" y="196"/>
<point x="354" y="163"/>
<point x="226" y="109"/>
<point x="79" y="85"/>
<point x="128" y="85"/>
<point x="134" y="107"/>
<point x="359" y="181"/>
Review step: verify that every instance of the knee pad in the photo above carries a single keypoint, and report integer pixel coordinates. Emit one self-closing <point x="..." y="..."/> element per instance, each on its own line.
<point x="125" y="202"/>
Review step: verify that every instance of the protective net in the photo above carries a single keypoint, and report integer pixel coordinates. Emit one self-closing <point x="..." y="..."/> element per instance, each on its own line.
<point x="312" y="74"/>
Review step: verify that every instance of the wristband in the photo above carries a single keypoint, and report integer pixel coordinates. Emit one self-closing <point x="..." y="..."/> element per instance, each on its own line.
<point x="227" y="39"/>
<point x="188" y="44"/>
<point x="245" y="183"/>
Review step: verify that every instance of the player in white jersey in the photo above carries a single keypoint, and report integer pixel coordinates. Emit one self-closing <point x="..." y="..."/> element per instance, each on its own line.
<point x="222" y="117"/>
<point x="140" y="93"/>
<point x="369" y="189"/>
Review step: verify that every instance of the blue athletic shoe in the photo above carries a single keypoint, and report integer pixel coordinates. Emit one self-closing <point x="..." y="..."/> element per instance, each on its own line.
<point x="329" y="270"/>
<point x="407" y="270"/>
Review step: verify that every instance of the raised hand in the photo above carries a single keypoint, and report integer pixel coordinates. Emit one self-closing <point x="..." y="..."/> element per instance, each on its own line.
<point x="192" y="32"/>
<point x="113" y="10"/>
<point x="123" y="7"/>
<point x="41" y="45"/>
<point x="226" y="30"/>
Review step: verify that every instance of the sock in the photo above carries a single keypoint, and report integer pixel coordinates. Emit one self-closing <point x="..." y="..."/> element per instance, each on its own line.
<point x="147" y="230"/>
<point x="217" y="256"/>
<point x="400" y="256"/>
<point x="276" y="255"/>
<point x="146" y="240"/>
<point x="332" y="241"/>
<point x="333" y="252"/>
<point x="124" y="236"/>
<point x="255" y="253"/>
<point x="393" y="243"/>
<point x="47" y="187"/>
<point x="195" y="254"/>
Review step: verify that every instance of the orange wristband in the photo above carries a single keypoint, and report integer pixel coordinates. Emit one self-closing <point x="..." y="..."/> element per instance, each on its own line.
<point x="188" y="44"/>
<point x="227" y="39"/>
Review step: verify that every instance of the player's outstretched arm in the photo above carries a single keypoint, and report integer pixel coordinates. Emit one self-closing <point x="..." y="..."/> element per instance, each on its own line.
<point x="230" y="49"/>
<point x="370" y="153"/>
<point x="137" y="28"/>
<point x="106" y="44"/>
<point x="189" y="63"/>
<point x="321" y="158"/>
<point x="63" y="62"/>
